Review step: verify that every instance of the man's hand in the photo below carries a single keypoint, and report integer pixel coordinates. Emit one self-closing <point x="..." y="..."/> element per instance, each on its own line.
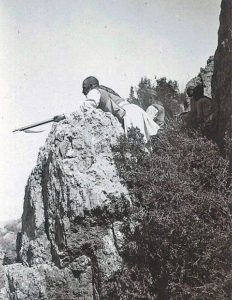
<point x="58" y="118"/>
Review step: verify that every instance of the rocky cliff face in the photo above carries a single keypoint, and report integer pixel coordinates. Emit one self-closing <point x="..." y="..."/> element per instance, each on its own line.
<point x="222" y="77"/>
<point x="204" y="77"/>
<point x="71" y="238"/>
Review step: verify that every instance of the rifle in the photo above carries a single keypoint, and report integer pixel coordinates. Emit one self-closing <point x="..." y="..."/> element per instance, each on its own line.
<point x="25" y="128"/>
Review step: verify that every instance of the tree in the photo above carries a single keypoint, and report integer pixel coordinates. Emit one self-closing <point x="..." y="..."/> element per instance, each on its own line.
<point x="132" y="98"/>
<point x="167" y="94"/>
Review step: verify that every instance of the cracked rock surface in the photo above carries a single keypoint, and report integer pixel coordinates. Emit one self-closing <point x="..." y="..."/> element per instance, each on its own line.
<point x="71" y="238"/>
<point x="222" y="77"/>
<point x="204" y="77"/>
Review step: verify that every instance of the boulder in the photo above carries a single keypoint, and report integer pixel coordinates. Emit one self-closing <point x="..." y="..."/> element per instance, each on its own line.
<point x="75" y="202"/>
<point x="204" y="77"/>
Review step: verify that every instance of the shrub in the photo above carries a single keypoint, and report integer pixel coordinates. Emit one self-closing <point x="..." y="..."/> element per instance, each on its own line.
<point x="178" y="235"/>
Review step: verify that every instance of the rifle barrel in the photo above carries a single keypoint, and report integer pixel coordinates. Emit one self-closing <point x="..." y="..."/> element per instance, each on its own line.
<point x="34" y="125"/>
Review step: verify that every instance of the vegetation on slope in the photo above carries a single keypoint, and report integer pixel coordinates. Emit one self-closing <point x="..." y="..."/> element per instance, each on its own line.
<point x="178" y="234"/>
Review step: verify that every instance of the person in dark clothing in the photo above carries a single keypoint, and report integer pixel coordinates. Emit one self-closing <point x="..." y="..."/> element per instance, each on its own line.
<point x="201" y="107"/>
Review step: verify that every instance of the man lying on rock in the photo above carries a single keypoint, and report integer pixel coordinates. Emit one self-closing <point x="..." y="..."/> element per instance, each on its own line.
<point x="129" y="115"/>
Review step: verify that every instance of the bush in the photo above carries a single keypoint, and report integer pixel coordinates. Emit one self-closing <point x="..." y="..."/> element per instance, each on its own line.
<point x="178" y="236"/>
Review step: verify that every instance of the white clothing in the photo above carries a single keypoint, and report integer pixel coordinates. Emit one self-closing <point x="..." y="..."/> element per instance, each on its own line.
<point x="134" y="117"/>
<point x="92" y="100"/>
<point x="152" y="111"/>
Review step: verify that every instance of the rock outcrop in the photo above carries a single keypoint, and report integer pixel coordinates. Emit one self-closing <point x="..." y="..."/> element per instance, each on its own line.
<point x="222" y="77"/>
<point x="8" y="234"/>
<point x="204" y="77"/>
<point x="71" y="237"/>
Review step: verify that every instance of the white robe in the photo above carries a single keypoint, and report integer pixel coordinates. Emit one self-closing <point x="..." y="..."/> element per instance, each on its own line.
<point x="134" y="117"/>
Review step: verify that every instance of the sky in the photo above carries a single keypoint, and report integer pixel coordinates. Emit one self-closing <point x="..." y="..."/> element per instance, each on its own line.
<point x="47" y="48"/>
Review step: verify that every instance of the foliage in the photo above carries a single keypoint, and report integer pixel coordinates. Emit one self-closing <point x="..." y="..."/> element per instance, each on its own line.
<point x="132" y="98"/>
<point x="178" y="235"/>
<point x="167" y="89"/>
<point x="167" y="94"/>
